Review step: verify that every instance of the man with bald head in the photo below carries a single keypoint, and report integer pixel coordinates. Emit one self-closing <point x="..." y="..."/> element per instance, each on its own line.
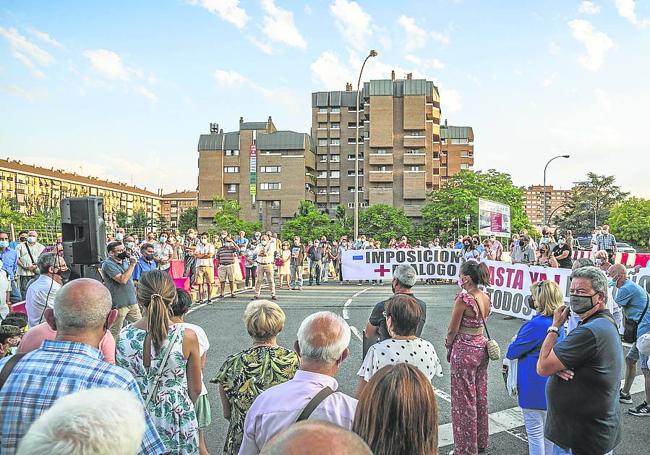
<point x="322" y="346"/>
<point x="635" y="302"/>
<point x="81" y="315"/>
<point x="316" y="438"/>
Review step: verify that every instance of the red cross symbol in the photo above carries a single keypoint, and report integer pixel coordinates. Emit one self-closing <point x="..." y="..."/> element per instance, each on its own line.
<point x="382" y="270"/>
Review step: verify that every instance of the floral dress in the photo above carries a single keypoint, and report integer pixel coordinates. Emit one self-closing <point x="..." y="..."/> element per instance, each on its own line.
<point x="246" y="375"/>
<point x="171" y="409"/>
<point x="469" y="361"/>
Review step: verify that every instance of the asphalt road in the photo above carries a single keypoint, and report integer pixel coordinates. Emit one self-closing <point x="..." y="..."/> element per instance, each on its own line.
<point x="224" y="326"/>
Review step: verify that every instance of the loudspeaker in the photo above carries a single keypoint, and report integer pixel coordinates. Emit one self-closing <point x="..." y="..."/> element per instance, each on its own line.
<point x="84" y="230"/>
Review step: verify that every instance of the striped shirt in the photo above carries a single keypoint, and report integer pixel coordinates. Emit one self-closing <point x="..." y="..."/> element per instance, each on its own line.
<point x="57" y="369"/>
<point x="606" y="242"/>
<point x="226" y="254"/>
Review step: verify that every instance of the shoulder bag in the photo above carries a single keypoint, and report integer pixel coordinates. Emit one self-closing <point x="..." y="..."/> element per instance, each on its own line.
<point x="314" y="402"/>
<point x="631" y="326"/>
<point x="161" y="365"/>
<point x="493" y="349"/>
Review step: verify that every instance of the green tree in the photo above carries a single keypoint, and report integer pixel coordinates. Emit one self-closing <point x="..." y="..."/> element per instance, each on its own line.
<point x="310" y="223"/>
<point x="590" y="204"/>
<point x="630" y="220"/>
<point x="344" y="221"/>
<point x="187" y="220"/>
<point x="139" y="221"/>
<point x="122" y="219"/>
<point x="227" y="218"/>
<point x="10" y="215"/>
<point x="162" y="224"/>
<point x="445" y="210"/>
<point x="383" y="222"/>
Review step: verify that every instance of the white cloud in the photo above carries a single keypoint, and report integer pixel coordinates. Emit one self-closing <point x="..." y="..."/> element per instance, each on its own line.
<point x="432" y="63"/>
<point x="603" y="99"/>
<point x="627" y="10"/>
<point x="279" y="26"/>
<point x="353" y="22"/>
<point x="25" y="51"/>
<point x="148" y="94"/>
<point x="264" y="46"/>
<point x="108" y="63"/>
<point x="549" y="79"/>
<point x="20" y="92"/>
<point x="308" y="11"/>
<point x="416" y="37"/>
<point x="228" y="10"/>
<point x="440" y="37"/>
<point x="46" y="38"/>
<point x="596" y="43"/>
<point x="588" y="7"/>
<point x="450" y="100"/>
<point x="553" y="48"/>
<point x="229" y="78"/>
<point x="330" y="73"/>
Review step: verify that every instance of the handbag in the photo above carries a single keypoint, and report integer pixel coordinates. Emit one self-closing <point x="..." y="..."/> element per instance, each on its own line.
<point x="161" y="366"/>
<point x="631" y="326"/>
<point x="509" y="372"/>
<point x="493" y="349"/>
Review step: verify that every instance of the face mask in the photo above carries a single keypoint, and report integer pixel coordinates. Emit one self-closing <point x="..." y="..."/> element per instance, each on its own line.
<point x="243" y="250"/>
<point x="611" y="283"/>
<point x="130" y="245"/>
<point x="119" y="236"/>
<point x="296" y="242"/>
<point x="148" y="257"/>
<point x="581" y="303"/>
<point x="460" y="283"/>
<point x="599" y="262"/>
<point x="163" y="239"/>
<point x="23" y="239"/>
<point x="264" y="242"/>
<point x="192" y="236"/>
<point x="31" y="239"/>
<point x="561" y="242"/>
<point x="530" y="302"/>
<point x="522" y="243"/>
<point x="4" y="243"/>
<point x="204" y="241"/>
<point x="121" y="255"/>
<point x="466" y="244"/>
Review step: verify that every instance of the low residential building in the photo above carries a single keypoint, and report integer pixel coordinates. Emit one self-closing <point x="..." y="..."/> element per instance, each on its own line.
<point x="174" y="204"/>
<point x="456" y="154"/>
<point x="268" y="172"/>
<point x="37" y="189"/>
<point x="556" y="201"/>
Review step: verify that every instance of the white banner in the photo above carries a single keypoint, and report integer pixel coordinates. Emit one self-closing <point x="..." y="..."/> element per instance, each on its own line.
<point x="493" y="219"/>
<point x="379" y="264"/>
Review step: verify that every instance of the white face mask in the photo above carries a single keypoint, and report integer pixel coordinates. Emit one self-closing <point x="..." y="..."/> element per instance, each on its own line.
<point x="119" y="236"/>
<point x="31" y="239"/>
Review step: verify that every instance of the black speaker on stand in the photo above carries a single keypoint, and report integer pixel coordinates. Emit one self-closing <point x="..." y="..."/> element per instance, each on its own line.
<point x="84" y="234"/>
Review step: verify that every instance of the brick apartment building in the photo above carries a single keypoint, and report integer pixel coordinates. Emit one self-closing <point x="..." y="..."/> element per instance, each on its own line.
<point x="268" y="172"/>
<point x="174" y="204"/>
<point x="556" y="199"/>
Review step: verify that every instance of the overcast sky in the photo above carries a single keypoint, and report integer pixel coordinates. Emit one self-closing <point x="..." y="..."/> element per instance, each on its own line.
<point x="123" y="89"/>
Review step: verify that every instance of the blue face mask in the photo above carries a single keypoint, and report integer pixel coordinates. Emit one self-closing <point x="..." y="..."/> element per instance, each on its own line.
<point x="611" y="283"/>
<point x="4" y="244"/>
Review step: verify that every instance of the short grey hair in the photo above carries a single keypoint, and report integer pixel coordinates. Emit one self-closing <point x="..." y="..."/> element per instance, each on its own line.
<point x="82" y="304"/>
<point x="99" y="421"/>
<point x="47" y="260"/>
<point x="595" y="275"/>
<point x="582" y="262"/>
<point x="323" y="437"/>
<point x="323" y="337"/>
<point x="406" y="275"/>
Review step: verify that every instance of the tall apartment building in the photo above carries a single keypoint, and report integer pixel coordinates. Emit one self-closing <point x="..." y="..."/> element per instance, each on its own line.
<point x="37" y="189"/>
<point x="400" y="149"/>
<point x="268" y="172"/>
<point x="556" y="200"/>
<point x="174" y="204"/>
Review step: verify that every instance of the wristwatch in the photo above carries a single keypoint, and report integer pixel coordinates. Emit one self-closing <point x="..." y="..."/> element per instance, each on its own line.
<point x="553" y="329"/>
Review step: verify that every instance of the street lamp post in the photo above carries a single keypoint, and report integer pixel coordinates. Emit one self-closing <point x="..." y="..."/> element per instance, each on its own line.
<point x="545" y="221"/>
<point x="373" y="53"/>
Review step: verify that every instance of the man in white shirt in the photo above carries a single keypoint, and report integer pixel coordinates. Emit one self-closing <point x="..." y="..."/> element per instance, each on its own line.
<point x="204" y="254"/>
<point x="5" y="291"/>
<point x="322" y="346"/>
<point x="28" y="253"/>
<point x="41" y="292"/>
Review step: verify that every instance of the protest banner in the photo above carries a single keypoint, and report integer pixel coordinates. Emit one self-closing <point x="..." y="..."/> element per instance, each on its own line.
<point x="493" y="219"/>
<point x="379" y="264"/>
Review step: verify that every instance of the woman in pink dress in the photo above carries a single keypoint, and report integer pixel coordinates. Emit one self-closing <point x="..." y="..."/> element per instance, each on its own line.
<point x="467" y="353"/>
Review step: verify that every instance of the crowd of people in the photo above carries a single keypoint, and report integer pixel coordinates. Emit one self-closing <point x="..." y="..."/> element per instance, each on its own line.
<point x="118" y="356"/>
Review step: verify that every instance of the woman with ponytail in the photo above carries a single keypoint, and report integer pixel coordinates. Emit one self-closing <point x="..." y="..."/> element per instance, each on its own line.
<point x="165" y="361"/>
<point x="466" y="351"/>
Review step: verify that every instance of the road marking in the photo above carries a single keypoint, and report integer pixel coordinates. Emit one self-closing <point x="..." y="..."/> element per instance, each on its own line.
<point x="508" y="419"/>
<point x="356" y="333"/>
<point x="346" y="313"/>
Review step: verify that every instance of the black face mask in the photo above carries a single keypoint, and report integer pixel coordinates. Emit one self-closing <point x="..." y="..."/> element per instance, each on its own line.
<point x="121" y="255"/>
<point x="581" y="303"/>
<point x="522" y="243"/>
<point x="23" y="239"/>
<point x="148" y="257"/>
<point x="530" y="302"/>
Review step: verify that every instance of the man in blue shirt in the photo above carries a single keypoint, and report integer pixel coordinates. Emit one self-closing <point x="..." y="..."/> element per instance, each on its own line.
<point x="117" y="271"/>
<point x="635" y="302"/>
<point x="146" y="261"/>
<point x="9" y="260"/>
<point x="72" y="362"/>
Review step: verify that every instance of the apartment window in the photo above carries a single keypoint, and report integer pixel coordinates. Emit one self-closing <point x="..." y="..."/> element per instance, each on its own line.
<point x="322" y="159"/>
<point x="335" y="125"/>
<point x="322" y="174"/>
<point x="460" y="141"/>
<point x="322" y="125"/>
<point x="414" y="168"/>
<point x="270" y="186"/>
<point x="275" y="205"/>
<point x="271" y="169"/>
<point x="322" y="190"/>
<point x="335" y="141"/>
<point x="275" y="220"/>
<point x="322" y="110"/>
<point x="351" y="172"/>
<point x="352" y="124"/>
<point x="351" y="141"/>
<point x="464" y="166"/>
<point x="231" y="169"/>
<point x="436" y="171"/>
<point x="464" y="154"/>
<point x="335" y="174"/>
<point x="419" y="133"/>
<point x="321" y="206"/>
<point x="232" y="188"/>
<point x="322" y="142"/>
<point x="380" y="151"/>
<point x="436" y="155"/>
<point x="383" y="169"/>
<point x="413" y="151"/>
<point x="351" y="189"/>
<point x="334" y="190"/>
<point x="351" y="156"/>
<point x="232" y="152"/>
<point x="336" y="110"/>
<point x="335" y="158"/>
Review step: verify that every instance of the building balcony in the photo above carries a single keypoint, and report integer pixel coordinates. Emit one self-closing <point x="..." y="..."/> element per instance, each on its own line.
<point x="414" y="159"/>
<point x="206" y="212"/>
<point x="322" y="117"/>
<point x="335" y="133"/>
<point x="335" y="116"/>
<point x="433" y="112"/>
<point x="415" y="185"/>
<point x="413" y="210"/>
<point x="321" y="133"/>
<point x="380" y="159"/>
<point x="380" y="176"/>
<point x="414" y="141"/>
<point x="436" y="131"/>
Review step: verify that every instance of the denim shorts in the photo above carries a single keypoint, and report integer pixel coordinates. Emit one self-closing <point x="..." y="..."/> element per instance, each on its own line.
<point x="635" y="355"/>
